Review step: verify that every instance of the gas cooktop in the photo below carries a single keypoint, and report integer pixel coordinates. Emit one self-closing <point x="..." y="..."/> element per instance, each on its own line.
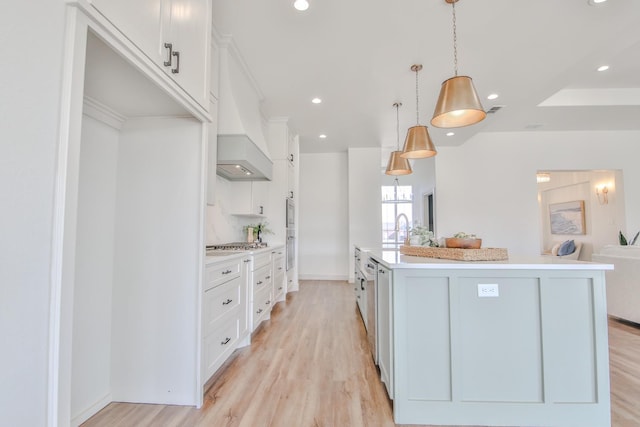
<point x="237" y="246"/>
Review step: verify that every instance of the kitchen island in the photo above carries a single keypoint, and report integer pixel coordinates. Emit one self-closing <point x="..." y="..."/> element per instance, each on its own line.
<point x="521" y="342"/>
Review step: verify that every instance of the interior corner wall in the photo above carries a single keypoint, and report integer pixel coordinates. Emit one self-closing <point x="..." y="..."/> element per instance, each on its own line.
<point x="487" y="186"/>
<point x="323" y="232"/>
<point x="91" y="346"/>
<point x="365" y="213"/>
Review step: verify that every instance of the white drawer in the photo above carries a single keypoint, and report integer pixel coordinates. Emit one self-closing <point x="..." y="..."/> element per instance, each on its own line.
<point x="261" y="259"/>
<point x="261" y="278"/>
<point x="279" y="286"/>
<point x="261" y="307"/>
<point x="220" y="344"/>
<point x="217" y="274"/>
<point x="219" y="301"/>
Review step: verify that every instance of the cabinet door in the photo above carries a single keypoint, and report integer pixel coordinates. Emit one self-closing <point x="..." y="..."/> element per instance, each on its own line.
<point x="189" y="32"/>
<point x="139" y="21"/>
<point x="384" y="328"/>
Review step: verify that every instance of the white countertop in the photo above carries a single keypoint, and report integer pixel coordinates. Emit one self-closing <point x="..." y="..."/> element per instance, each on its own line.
<point x="393" y="260"/>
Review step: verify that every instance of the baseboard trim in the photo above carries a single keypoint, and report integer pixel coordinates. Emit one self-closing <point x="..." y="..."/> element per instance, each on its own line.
<point x="317" y="277"/>
<point x="91" y="411"/>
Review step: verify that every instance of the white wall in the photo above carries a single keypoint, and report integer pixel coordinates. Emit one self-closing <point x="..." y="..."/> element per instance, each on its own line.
<point x="487" y="186"/>
<point x="29" y="116"/>
<point x="157" y="270"/>
<point x="91" y="376"/>
<point x="323" y="233"/>
<point x="365" y="215"/>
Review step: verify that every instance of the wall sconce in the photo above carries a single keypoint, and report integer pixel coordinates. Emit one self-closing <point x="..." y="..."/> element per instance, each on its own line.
<point x="602" y="191"/>
<point x="543" y="177"/>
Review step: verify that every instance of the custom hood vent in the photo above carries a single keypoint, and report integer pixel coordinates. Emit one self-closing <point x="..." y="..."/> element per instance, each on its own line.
<point x="243" y="154"/>
<point x="240" y="159"/>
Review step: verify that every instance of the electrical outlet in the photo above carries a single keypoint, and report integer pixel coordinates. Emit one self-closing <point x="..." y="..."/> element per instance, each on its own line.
<point x="488" y="290"/>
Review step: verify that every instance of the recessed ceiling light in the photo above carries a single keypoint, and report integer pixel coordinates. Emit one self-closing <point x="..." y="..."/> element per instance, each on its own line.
<point x="595" y="2"/>
<point x="322" y="136"/>
<point x="301" y="5"/>
<point x="316" y="100"/>
<point x="450" y="133"/>
<point x="603" y="68"/>
<point x="493" y="96"/>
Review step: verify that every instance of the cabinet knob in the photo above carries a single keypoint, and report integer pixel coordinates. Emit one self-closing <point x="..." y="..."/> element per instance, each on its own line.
<point x="268" y="277"/>
<point x="268" y="302"/>
<point x="259" y="311"/>
<point x="259" y="282"/>
<point x="225" y="342"/>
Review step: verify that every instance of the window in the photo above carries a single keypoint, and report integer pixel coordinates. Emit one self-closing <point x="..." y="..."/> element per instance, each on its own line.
<point x="396" y="200"/>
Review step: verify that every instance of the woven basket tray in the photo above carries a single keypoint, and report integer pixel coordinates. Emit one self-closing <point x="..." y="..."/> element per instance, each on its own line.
<point x="482" y="254"/>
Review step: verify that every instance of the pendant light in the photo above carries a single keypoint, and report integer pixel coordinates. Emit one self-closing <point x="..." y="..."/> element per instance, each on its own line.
<point x="458" y="104"/>
<point x="418" y="144"/>
<point x="398" y="165"/>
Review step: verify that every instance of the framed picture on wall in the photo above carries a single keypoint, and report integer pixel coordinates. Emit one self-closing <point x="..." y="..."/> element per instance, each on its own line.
<point x="567" y="217"/>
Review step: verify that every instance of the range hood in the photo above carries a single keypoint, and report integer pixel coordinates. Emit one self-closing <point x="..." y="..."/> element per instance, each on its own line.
<point x="243" y="154"/>
<point x="239" y="159"/>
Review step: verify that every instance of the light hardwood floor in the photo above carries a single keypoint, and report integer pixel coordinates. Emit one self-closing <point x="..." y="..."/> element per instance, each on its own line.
<point x="309" y="366"/>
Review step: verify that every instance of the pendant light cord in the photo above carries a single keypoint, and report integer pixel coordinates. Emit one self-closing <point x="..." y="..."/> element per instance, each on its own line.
<point x="417" y="109"/>
<point x="455" y="41"/>
<point x="397" y="104"/>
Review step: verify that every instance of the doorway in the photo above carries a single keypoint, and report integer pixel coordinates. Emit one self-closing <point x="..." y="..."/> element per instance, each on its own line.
<point x="600" y="193"/>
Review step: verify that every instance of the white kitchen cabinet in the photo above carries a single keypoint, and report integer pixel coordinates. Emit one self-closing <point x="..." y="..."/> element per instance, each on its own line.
<point x="224" y="312"/>
<point x="261" y="288"/>
<point x="279" y="277"/>
<point x="385" y="327"/>
<point x="174" y="34"/>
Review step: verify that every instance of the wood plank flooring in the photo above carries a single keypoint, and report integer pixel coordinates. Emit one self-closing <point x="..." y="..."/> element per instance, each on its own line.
<point x="309" y="366"/>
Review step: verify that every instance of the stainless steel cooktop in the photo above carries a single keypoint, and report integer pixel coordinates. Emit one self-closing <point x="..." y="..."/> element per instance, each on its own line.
<point x="236" y="246"/>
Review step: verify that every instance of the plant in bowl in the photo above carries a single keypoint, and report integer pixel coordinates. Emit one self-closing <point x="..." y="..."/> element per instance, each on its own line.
<point x="463" y="241"/>
<point x="422" y="236"/>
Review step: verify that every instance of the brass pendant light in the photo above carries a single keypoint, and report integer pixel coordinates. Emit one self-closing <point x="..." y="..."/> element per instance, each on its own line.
<point x="398" y="165"/>
<point x="418" y="144"/>
<point x="458" y="104"/>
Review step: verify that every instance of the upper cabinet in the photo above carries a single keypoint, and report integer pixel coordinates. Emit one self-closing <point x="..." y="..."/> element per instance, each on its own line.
<point x="174" y="34"/>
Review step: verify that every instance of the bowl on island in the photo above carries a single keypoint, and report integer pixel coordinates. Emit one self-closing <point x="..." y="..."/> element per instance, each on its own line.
<point x="463" y="243"/>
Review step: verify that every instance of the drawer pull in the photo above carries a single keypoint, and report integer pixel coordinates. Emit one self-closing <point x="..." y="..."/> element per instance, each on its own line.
<point x="227" y="302"/>
<point x="280" y="288"/>
<point x="247" y="260"/>
<point x="259" y="282"/>
<point x="267" y="278"/>
<point x="226" y="272"/>
<point x="225" y="342"/>
<point x="177" y="69"/>
<point x="259" y="311"/>
<point x="268" y="302"/>
<point x="279" y="268"/>
<point x="169" y="54"/>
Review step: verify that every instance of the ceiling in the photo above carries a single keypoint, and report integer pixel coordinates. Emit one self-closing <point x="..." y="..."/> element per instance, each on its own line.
<point x="356" y="56"/>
